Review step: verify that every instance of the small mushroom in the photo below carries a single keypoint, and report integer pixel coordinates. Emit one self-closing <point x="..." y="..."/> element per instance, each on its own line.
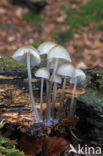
<point x="45" y="47"/>
<point x="79" y="77"/>
<point x="29" y="55"/>
<point x="58" y="54"/>
<point x="65" y="70"/>
<point x="42" y="73"/>
<point x="57" y="80"/>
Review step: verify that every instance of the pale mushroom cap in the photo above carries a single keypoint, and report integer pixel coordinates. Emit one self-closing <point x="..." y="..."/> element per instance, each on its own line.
<point x="80" y="75"/>
<point x="52" y="64"/>
<point x="45" y="47"/>
<point x="66" y="70"/>
<point x="58" y="52"/>
<point x="42" y="73"/>
<point x="21" y="55"/>
<point x="57" y="79"/>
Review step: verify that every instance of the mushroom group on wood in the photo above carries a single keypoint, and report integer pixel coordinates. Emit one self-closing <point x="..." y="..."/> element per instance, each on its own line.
<point x="58" y="59"/>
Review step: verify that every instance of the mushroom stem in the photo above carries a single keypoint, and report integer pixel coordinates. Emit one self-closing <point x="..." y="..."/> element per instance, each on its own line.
<point x="48" y="95"/>
<point x="48" y="106"/>
<point x="47" y="65"/>
<point x="54" y="99"/>
<point x="72" y="100"/>
<point x="35" y="113"/>
<point x="41" y="98"/>
<point x="47" y="92"/>
<point x="62" y="94"/>
<point x="54" y="70"/>
<point x="51" y="82"/>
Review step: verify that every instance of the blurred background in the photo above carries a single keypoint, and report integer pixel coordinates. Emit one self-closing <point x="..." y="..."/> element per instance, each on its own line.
<point x="75" y="24"/>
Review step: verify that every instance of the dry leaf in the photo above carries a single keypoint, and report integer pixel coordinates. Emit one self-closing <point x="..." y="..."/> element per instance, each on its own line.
<point x="54" y="145"/>
<point x="30" y="145"/>
<point x="48" y="145"/>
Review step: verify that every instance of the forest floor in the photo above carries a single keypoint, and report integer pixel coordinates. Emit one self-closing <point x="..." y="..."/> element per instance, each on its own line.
<point x="76" y="24"/>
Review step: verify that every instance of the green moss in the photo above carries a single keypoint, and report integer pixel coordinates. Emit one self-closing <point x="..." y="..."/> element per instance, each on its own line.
<point x="36" y="45"/>
<point x="4" y="3"/>
<point x="37" y="18"/>
<point x="90" y="12"/>
<point x="94" y="93"/>
<point x="7" y="148"/>
<point x="92" y="98"/>
<point x="98" y="96"/>
<point x="98" y="27"/>
<point x="63" y="35"/>
<point x="100" y="99"/>
<point x="71" y="1"/>
<point x="2" y="27"/>
<point x="7" y="64"/>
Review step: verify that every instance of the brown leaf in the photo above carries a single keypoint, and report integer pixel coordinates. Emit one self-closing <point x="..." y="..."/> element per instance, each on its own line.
<point x="15" y="21"/>
<point x="68" y="122"/>
<point x="54" y="145"/>
<point x="30" y="145"/>
<point x="49" y="145"/>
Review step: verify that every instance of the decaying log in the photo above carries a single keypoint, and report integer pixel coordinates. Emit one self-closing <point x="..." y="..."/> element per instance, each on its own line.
<point x="90" y="109"/>
<point x="16" y="108"/>
<point x="15" y="104"/>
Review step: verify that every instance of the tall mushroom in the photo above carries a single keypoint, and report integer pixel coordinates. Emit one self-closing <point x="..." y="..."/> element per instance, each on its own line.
<point x="43" y="49"/>
<point x="79" y="77"/>
<point x="65" y="70"/>
<point x="57" y="55"/>
<point x="57" y="80"/>
<point x="42" y="73"/>
<point x="29" y="55"/>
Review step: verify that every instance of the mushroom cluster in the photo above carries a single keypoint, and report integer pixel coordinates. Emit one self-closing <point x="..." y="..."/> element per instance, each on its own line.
<point x="58" y="69"/>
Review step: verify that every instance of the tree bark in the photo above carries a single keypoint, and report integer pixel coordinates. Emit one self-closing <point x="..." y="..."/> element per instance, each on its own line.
<point x="90" y="109"/>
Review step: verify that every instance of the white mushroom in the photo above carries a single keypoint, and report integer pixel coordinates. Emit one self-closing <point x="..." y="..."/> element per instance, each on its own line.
<point x="43" y="49"/>
<point x="29" y="55"/>
<point x="79" y="77"/>
<point x="42" y="73"/>
<point x="58" y="54"/>
<point x="65" y="70"/>
<point x="57" y="80"/>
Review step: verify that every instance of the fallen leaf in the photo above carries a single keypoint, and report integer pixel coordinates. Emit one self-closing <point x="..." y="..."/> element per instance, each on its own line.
<point x="68" y="122"/>
<point x="48" y="145"/>
<point x="15" y="21"/>
<point x="30" y="145"/>
<point x="54" y="145"/>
